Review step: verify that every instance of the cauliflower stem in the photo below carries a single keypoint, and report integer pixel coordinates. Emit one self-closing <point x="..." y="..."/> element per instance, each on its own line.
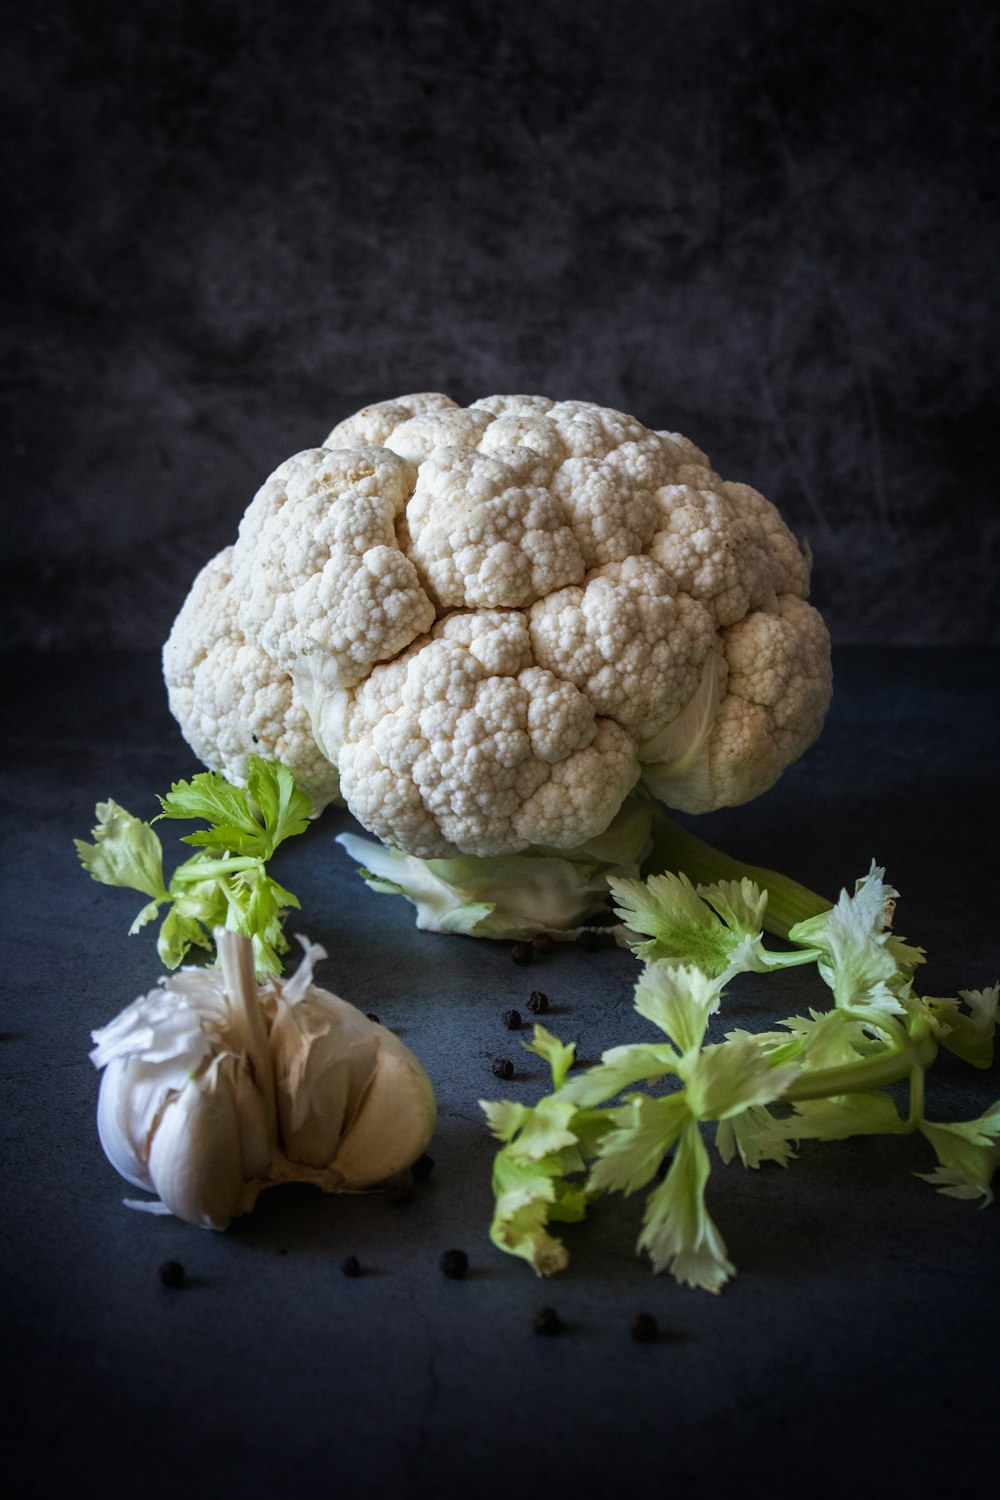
<point x="562" y="892"/>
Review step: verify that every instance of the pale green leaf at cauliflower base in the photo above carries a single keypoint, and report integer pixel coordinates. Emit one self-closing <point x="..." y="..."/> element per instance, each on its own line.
<point x="508" y="896"/>
<point x="487" y="624"/>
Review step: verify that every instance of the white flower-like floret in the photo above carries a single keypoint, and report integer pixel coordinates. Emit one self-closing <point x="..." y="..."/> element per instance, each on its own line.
<point x="231" y="699"/>
<point x="628" y="640"/>
<point x="376" y="423"/>
<point x="778" y="671"/>
<point x="789" y="564"/>
<point x="482" y="538"/>
<point x="424" y="434"/>
<point x="317" y="566"/>
<point x="718" y="551"/>
<point x="468" y="730"/>
<point x="500" y="616"/>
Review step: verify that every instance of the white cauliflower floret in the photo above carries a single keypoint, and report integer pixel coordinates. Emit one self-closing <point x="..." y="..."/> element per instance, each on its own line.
<point x="424" y="434"/>
<point x="718" y="551"/>
<point x="232" y="700"/>
<point x="472" y="732"/>
<point x="789" y="564"/>
<point x="375" y="424"/>
<point x="778" y="669"/>
<point x="501" y="616"/>
<point x="481" y="538"/>
<point x="628" y="640"/>
<point x="317" y="567"/>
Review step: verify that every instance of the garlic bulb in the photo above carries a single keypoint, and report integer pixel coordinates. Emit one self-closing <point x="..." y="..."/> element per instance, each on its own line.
<point x="215" y="1088"/>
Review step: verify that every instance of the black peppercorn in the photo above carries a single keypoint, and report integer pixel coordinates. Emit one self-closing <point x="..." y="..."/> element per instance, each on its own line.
<point x="547" y="1321"/>
<point x="543" y="942"/>
<point x="512" y="1020"/>
<point x="173" y="1275"/>
<point x="521" y="953"/>
<point x="502" y="1067"/>
<point x="373" y="1017"/>
<point x="422" y="1168"/>
<point x="538" y="1003"/>
<point x="454" y="1263"/>
<point x="645" y="1329"/>
<point x="350" y="1265"/>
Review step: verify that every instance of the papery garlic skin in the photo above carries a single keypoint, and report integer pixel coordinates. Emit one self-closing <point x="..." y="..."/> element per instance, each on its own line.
<point x="182" y="1111"/>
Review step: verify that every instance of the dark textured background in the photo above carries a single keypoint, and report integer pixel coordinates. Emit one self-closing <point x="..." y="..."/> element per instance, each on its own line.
<point x="773" y="227"/>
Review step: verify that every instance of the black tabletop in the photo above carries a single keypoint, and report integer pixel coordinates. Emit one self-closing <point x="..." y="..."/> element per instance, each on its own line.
<point x="856" y="1349"/>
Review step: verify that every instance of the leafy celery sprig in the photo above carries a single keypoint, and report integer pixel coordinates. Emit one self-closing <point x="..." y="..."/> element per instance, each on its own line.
<point x="225" y="884"/>
<point x="604" y="1131"/>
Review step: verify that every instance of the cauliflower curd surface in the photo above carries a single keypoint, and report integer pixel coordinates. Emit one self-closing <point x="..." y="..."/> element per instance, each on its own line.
<point x="485" y="624"/>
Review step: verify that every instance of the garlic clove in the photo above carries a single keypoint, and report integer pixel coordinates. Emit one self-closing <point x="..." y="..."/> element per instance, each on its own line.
<point x="325" y="1053"/>
<point x="195" y="1159"/>
<point x="120" y="1126"/>
<point x="148" y="1052"/>
<point x="395" y="1121"/>
<point x="257" y="1143"/>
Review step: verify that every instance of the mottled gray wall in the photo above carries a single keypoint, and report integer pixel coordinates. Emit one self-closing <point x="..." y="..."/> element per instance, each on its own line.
<point x="772" y="226"/>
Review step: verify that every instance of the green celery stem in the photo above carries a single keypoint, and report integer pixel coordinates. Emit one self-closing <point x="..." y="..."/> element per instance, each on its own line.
<point x="675" y="848"/>
<point x="868" y="1073"/>
<point x="209" y="868"/>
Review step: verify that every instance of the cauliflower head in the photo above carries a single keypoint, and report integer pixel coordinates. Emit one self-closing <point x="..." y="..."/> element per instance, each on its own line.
<point x="490" y="622"/>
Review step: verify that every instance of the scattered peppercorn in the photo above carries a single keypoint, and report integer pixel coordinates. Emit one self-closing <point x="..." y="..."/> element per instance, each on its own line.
<point x="173" y="1275"/>
<point x="502" y="1067"/>
<point x="373" y="1017"/>
<point x="543" y="942"/>
<point x="454" y="1263"/>
<point x="521" y="953"/>
<point x="350" y="1265"/>
<point x="538" y="1003"/>
<point x="645" y="1329"/>
<point x="400" y="1190"/>
<point x="422" y="1168"/>
<point x="547" y="1321"/>
<point x="588" y="941"/>
<point x="512" y="1020"/>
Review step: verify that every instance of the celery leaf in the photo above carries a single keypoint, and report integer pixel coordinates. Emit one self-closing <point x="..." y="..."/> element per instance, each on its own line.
<point x="125" y="852"/>
<point x="678" y="1233"/>
<point x="968" y="1154"/>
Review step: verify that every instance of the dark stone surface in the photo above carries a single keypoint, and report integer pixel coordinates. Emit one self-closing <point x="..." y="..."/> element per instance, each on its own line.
<point x="231" y="224"/>
<point x="855" y="1354"/>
